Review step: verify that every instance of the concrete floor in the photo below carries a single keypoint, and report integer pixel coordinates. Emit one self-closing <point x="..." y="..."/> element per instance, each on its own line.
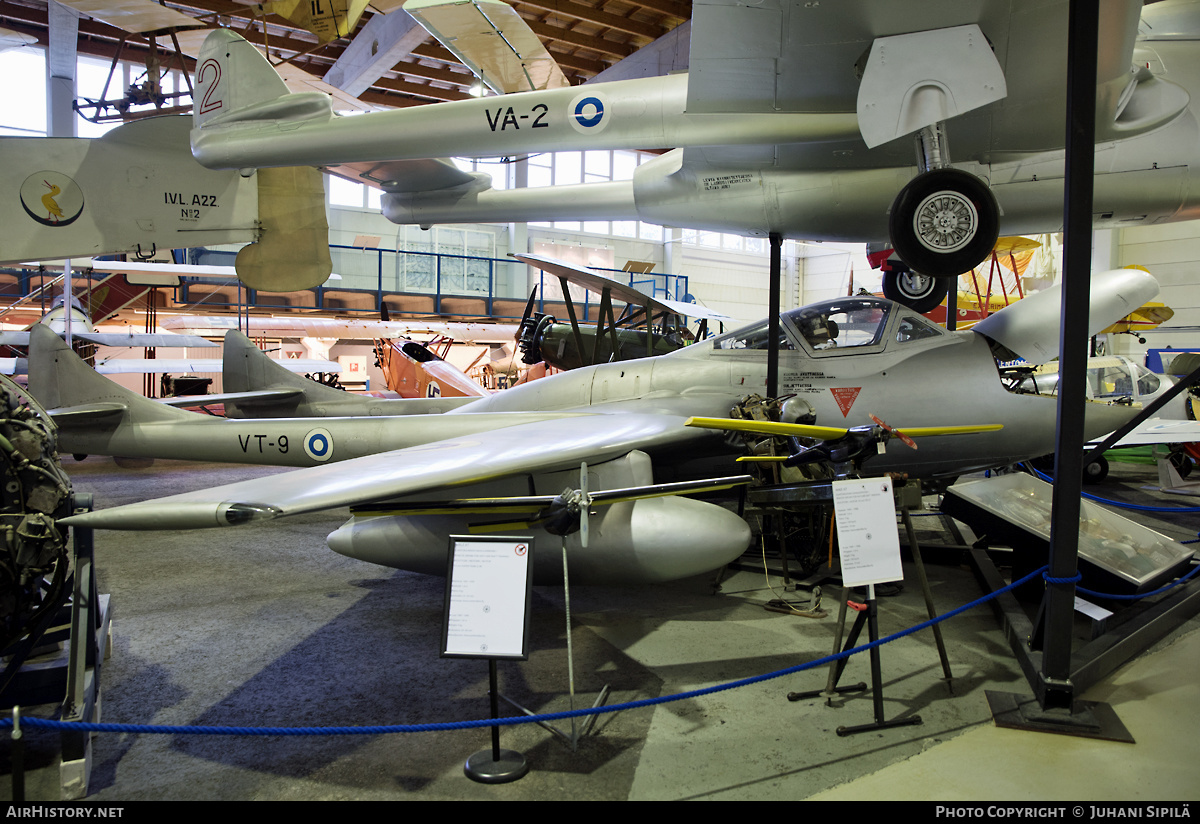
<point x="264" y="626"/>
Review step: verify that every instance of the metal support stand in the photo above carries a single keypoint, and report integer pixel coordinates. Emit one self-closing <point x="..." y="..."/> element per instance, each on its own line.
<point x="930" y="610"/>
<point x="837" y="667"/>
<point x="601" y="699"/>
<point x="72" y="675"/>
<point x="82" y="701"/>
<point x="871" y="616"/>
<point x="495" y="766"/>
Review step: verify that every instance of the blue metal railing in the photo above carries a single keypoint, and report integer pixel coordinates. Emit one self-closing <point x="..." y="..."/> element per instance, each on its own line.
<point x="377" y="274"/>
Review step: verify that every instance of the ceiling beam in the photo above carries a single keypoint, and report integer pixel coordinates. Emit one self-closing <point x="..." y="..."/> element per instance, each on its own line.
<point x="600" y="18"/>
<point x="584" y="41"/>
<point x="384" y="41"/>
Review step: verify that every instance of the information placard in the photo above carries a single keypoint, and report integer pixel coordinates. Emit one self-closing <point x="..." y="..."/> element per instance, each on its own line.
<point x="869" y="545"/>
<point x="488" y="586"/>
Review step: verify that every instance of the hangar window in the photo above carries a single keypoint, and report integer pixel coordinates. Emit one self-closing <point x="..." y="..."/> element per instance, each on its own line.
<point x="23" y="105"/>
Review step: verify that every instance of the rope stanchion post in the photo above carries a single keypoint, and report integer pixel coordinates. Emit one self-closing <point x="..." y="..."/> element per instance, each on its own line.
<point x="18" y="757"/>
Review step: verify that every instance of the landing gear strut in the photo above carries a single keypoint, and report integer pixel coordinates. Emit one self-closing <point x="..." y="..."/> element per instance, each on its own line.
<point x="921" y="293"/>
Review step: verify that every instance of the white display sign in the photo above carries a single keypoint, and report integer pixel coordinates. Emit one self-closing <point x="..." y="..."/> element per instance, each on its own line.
<point x="487" y="598"/>
<point x="869" y="545"/>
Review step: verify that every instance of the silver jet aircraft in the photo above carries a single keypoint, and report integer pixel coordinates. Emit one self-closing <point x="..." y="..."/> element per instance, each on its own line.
<point x="843" y="359"/>
<point x="795" y="117"/>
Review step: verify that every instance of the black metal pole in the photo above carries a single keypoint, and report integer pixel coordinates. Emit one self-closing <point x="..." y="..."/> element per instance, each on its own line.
<point x="776" y="240"/>
<point x="1054" y="689"/>
<point x="495" y="695"/>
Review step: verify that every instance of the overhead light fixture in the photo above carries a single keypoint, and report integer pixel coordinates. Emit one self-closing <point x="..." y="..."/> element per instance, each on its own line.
<point x="477" y="89"/>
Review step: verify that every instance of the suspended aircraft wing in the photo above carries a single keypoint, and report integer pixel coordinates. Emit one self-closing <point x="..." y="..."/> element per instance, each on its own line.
<point x="476" y="333"/>
<point x="135" y="15"/>
<point x="1148" y="316"/>
<point x="491" y="40"/>
<point x="328" y="21"/>
<point x="595" y="282"/>
<point x="10" y="39"/>
<point x="147" y="339"/>
<point x="545" y="446"/>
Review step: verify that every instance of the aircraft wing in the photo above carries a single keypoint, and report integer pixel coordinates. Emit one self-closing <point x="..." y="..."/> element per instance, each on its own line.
<point x="493" y="41"/>
<point x="596" y="282"/>
<point x="134" y="15"/>
<point x="1159" y="430"/>
<point x="545" y="446"/>
<point x="303" y="326"/>
<point x="117" y="339"/>
<point x="995" y="64"/>
<point x="405" y="175"/>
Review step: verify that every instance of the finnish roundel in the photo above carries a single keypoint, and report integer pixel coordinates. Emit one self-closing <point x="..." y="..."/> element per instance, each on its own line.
<point x="589" y="113"/>
<point x="318" y="445"/>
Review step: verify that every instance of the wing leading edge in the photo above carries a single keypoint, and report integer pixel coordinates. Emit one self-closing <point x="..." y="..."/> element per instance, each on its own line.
<point x="544" y="446"/>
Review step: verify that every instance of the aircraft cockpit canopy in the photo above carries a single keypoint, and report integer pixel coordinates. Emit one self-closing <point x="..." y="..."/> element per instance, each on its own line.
<point x="854" y="325"/>
<point x="841" y="326"/>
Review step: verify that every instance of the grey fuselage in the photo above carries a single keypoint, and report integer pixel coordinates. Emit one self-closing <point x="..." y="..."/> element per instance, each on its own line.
<point x="931" y="379"/>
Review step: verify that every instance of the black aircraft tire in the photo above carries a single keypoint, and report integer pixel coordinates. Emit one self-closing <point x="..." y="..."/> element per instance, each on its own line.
<point x="944" y="222"/>
<point x="1096" y="471"/>
<point x="920" y="293"/>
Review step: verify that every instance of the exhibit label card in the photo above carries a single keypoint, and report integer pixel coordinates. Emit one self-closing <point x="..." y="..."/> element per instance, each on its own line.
<point x="487" y="598"/>
<point x="866" y="528"/>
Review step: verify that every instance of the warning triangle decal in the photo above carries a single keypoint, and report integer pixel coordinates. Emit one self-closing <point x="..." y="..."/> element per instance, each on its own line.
<point x="845" y="398"/>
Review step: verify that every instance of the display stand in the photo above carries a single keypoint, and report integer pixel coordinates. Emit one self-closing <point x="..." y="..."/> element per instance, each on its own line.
<point x="915" y="548"/>
<point x="488" y="586"/>
<point x="495" y="766"/>
<point x="870" y="555"/>
<point x="869" y="616"/>
<point x="576" y="733"/>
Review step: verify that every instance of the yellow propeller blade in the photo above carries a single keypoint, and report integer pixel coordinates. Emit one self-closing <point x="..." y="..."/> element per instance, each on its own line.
<point x="828" y="433"/>
<point x="799" y="430"/>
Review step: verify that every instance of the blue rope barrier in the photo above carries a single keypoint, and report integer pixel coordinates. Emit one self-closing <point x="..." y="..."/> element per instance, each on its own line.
<point x="46" y="723"/>
<point x="1119" y="504"/>
<point x="1181" y="580"/>
<point x="1074" y="579"/>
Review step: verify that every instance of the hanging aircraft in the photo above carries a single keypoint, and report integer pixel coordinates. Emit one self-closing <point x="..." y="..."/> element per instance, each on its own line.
<point x="842" y="360"/>
<point x="795" y="118"/>
<point x="804" y="124"/>
<point x="663" y="322"/>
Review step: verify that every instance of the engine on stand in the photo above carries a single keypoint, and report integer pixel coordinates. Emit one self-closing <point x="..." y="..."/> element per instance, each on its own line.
<point x="34" y="562"/>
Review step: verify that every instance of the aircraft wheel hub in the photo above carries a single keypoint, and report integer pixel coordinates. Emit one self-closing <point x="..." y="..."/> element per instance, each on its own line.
<point x="945" y="221"/>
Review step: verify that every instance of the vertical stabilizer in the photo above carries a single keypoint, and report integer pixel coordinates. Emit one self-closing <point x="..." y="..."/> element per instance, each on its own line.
<point x="236" y="87"/>
<point x="232" y="77"/>
<point x="246" y="368"/>
<point x="59" y="379"/>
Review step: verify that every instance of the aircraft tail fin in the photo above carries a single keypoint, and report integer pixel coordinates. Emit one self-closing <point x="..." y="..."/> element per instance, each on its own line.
<point x="235" y="83"/>
<point x="237" y="87"/>
<point x="246" y="368"/>
<point x="77" y="395"/>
